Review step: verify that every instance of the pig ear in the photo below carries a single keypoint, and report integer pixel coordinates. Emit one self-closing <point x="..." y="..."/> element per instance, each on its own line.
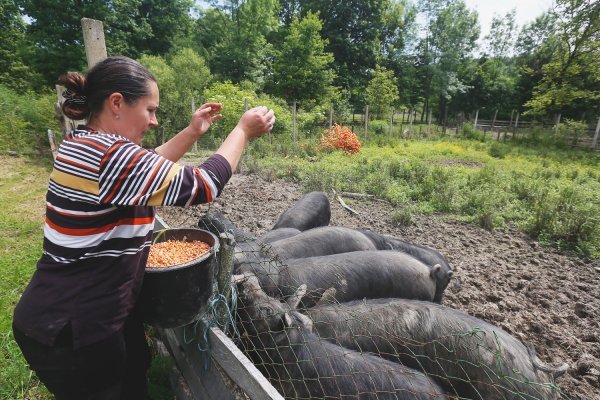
<point x="235" y="279"/>
<point x="294" y="299"/>
<point x="287" y="320"/>
<point x="435" y="270"/>
<point x="328" y="297"/>
<point x="305" y="321"/>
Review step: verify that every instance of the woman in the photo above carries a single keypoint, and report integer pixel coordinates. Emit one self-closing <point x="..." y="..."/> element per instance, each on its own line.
<point x="77" y="323"/>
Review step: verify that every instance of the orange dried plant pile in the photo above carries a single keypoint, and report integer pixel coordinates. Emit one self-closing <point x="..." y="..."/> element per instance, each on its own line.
<point x="174" y="252"/>
<point x="340" y="137"/>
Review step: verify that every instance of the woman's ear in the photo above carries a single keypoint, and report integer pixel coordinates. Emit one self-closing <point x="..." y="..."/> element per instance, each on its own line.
<point x="115" y="103"/>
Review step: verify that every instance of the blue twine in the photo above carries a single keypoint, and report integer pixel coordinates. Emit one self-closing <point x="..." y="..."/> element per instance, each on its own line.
<point x="210" y="318"/>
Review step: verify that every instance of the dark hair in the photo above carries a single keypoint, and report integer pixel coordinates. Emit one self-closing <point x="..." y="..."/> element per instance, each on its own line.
<point x="84" y="96"/>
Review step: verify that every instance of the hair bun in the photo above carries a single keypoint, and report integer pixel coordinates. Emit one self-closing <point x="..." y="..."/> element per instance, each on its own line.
<point x="75" y="104"/>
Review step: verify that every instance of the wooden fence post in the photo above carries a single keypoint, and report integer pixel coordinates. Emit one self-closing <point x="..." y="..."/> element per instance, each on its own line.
<point x="595" y="140"/>
<point x="52" y="140"/>
<point x="330" y="115"/>
<point x="476" y="117"/>
<point x="516" y="126"/>
<point x="512" y="114"/>
<point x="93" y="39"/>
<point x="391" y="122"/>
<point x="494" y="123"/>
<point x="226" y="251"/>
<point x="366" y="122"/>
<point x="194" y="110"/>
<point x="429" y="122"/>
<point x="557" y="122"/>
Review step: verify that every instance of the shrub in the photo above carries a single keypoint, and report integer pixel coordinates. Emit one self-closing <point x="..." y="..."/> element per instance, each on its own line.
<point x="340" y="137"/>
<point x="403" y="216"/>
<point x="498" y="150"/>
<point x="25" y="120"/>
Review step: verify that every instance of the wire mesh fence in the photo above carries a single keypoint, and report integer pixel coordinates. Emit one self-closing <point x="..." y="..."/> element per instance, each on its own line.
<point x="332" y="312"/>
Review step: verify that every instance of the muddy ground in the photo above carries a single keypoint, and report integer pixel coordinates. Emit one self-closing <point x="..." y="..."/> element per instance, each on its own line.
<point x="537" y="294"/>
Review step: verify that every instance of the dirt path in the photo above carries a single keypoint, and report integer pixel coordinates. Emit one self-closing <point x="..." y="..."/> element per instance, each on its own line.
<point x="503" y="277"/>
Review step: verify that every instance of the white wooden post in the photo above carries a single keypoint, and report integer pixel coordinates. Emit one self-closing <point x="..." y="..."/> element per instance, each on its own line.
<point x="330" y="115"/>
<point x="93" y="39"/>
<point x="557" y="123"/>
<point x="595" y="140"/>
<point x="476" y="117"/>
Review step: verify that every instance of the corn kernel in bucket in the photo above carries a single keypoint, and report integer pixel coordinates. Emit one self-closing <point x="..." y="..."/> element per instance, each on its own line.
<point x="175" y="252"/>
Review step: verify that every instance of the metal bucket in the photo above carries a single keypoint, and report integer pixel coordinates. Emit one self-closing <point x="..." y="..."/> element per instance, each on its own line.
<point x="177" y="295"/>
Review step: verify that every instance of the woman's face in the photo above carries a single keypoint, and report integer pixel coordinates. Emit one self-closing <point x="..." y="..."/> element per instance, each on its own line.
<point x="136" y="119"/>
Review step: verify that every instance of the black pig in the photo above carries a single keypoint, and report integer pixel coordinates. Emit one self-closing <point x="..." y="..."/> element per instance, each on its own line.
<point x="470" y="357"/>
<point x="301" y="365"/>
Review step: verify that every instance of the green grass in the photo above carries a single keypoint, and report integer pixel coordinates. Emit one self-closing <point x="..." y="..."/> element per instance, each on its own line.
<point x="23" y="184"/>
<point x="22" y="191"/>
<point x="551" y="193"/>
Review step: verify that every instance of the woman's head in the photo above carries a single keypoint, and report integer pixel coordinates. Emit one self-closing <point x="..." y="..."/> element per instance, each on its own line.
<point x="111" y="89"/>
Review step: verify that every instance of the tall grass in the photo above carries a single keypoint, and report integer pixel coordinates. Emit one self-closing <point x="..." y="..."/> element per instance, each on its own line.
<point x="25" y="120"/>
<point x="553" y="194"/>
<point x="22" y="191"/>
<point x="23" y="184"/>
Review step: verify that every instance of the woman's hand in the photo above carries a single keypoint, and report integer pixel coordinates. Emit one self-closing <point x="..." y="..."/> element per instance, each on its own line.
<point x="204" y="116"/>
<point x="256" y="121"/>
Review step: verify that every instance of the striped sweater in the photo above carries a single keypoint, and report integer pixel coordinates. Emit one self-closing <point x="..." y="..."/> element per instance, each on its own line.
<point x="99" y="220"/>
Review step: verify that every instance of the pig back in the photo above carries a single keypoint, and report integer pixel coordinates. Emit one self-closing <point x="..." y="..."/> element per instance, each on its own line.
<point x="321" y="242"/>
<point x="358" y="275"/>
<point x="470" y="357"/>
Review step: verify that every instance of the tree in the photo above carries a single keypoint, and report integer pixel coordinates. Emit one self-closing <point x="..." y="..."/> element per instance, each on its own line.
<point x="496" y="71"/>
<point x="193" y="77"/>
<point x="132" y="28"/>
<point x="352" y="29"/>
<point x="535" y="46"/>
<point x="302" y="69"/>
<point x="500" y="40"/>
<point x="382" y="91"/>
<point x="14" y="73"/>
<point x="451" y="36"/>
<point x="243" y="52"/>
<point x="571" y="79"/>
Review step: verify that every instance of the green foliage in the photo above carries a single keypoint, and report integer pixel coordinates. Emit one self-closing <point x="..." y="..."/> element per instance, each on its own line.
<point x="470" y="132"/>
<point x="242" y="51"/>
<point x="14" y="72"/>
<point x="302" y="70"/>
<point x="132" y="28"/>
<point x="382" y="91"/>
<point x="570" y="131"/>
<point x="550" y="193"/>
<point x="234" y="99"/>
<point x="181" y="77"/>
<point x="25" y="120"/>
<point x="498" y="150"/>
<point x="571" y="78"/>
<point x="21" y="223"/>
<point x="352" y="29"/>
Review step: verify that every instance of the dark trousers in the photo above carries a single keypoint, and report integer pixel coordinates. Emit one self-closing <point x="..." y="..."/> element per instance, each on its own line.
<point x="112" y="369"/>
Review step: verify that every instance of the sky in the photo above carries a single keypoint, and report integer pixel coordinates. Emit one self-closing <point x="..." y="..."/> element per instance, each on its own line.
<point x="527" y="10"/>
